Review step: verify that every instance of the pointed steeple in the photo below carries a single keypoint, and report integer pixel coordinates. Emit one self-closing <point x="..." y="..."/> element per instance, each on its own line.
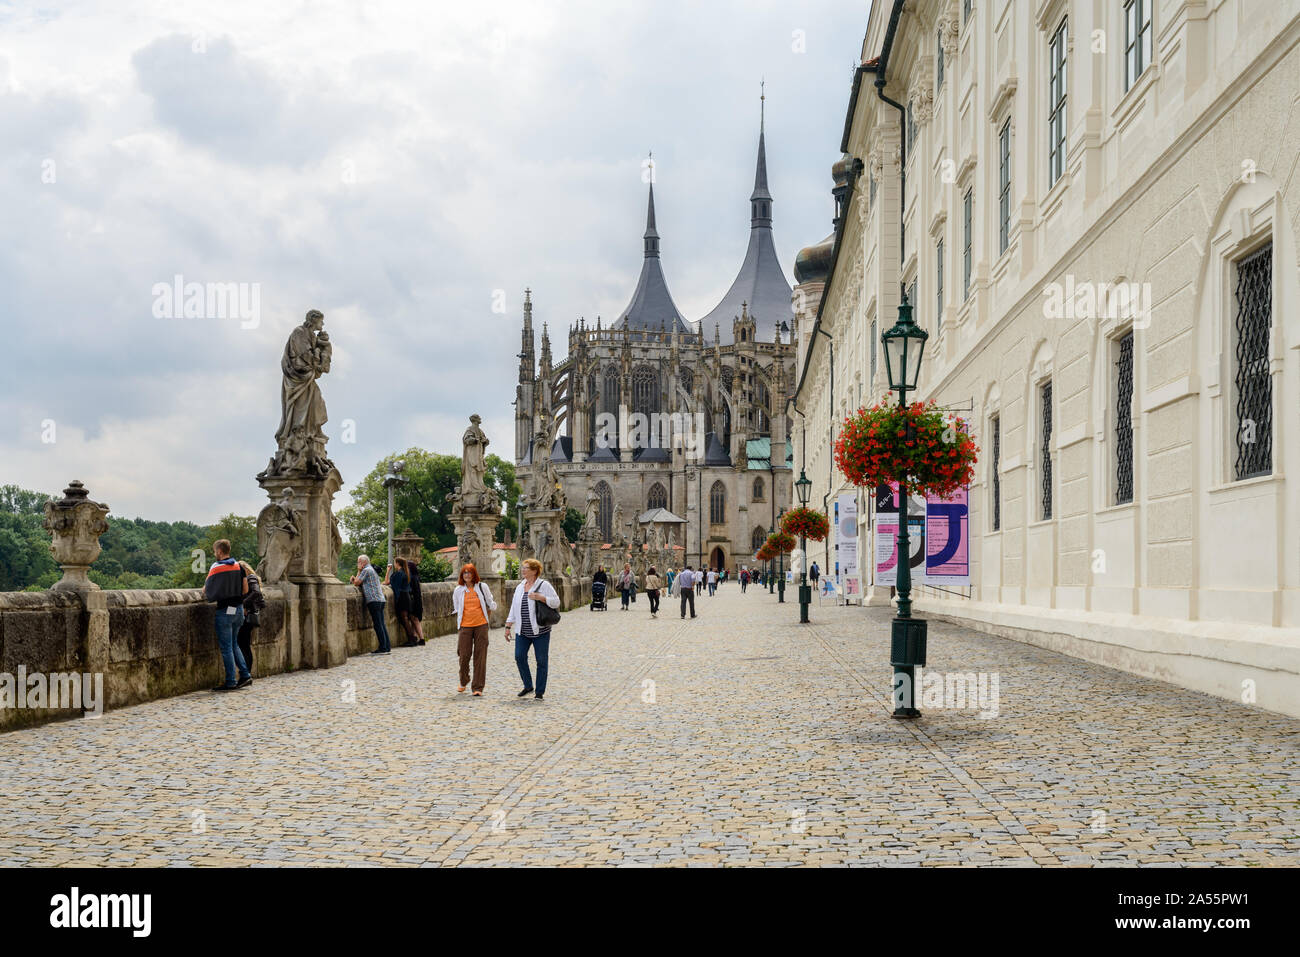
<point x="651" y="303"/>
<point x="760" y="201"/>
<point x="651" y="234"/>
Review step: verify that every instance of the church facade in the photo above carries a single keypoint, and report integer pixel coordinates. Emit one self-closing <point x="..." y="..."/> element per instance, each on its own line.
<point x="712" y="391"/>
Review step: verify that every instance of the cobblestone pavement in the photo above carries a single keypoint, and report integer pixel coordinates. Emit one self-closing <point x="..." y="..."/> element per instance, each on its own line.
<point x="738" y="738"/>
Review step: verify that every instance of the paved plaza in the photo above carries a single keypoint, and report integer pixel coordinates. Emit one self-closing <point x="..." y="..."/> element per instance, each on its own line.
<point x="738" y="738"/>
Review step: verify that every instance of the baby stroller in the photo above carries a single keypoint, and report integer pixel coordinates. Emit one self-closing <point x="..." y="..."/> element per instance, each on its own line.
<point x="598" y="597"/>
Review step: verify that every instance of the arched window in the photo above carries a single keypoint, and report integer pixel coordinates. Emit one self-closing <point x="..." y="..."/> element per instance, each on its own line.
<point x="658" y="497"/>
<point x="718" y="504"/>
<point x="609" y="401"/>
<point x="763" y="403"/>
<point x="687" y="378"/>
<point x="758" y="490"/>
<point x="605" y="511"/>
<point x="645" y="390"/>
<point x="758" y="538"/>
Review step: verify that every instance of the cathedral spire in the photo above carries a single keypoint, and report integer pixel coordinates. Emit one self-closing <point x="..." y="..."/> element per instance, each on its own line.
<point x="651" y="234"/>
<point x="760" y="201"/>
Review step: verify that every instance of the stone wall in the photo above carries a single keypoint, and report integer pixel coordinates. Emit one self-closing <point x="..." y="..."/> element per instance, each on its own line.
<point x="156" y="644"/>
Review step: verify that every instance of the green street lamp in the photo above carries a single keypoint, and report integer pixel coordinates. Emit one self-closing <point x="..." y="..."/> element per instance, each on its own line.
<point x="903" y="346"/>
<point x="780" y="576"/>
<point x="803" y="489"/>
<point x="393" y="480"/>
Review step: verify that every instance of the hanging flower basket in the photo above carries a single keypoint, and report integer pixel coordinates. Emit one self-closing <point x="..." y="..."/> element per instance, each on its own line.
<point x="810" y="523"/>
<point x="881" y="444"/>
<point x="764" y="554"/>
<point x="779" y="543"/>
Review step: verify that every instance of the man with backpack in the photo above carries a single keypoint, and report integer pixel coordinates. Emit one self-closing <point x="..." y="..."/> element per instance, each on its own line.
<point x="227" y="584"/>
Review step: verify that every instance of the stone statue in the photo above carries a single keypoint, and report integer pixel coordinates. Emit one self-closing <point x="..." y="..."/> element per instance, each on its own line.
<point x="279" y="539"/>
<point x="592" y="516"/>
<point x="473" y="468"/>
<point x="469" y="543"/>
<point x="620" y="540"/>
<point x="548" y="492"/>
<point x="300" y="443"/>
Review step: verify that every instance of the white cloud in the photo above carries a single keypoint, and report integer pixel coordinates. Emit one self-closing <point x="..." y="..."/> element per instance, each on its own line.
<point x="392" y="164"/>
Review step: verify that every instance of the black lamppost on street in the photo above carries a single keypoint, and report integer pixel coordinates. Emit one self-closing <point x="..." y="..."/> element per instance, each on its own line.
<point x="393" y="480"/>
<point x="803" y="488"/>
<point x="904" y="344"/>
<point x="780" y="575"/>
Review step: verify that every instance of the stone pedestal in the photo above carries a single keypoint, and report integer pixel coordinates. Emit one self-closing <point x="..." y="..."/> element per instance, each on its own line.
<point x="474" y="534"/>
<point x="547" y="541"/>
<point x="408" y="546"/>
<point x="76" y="524"/>
<point x="317" y="557"/>
<point x="322" y="613"/>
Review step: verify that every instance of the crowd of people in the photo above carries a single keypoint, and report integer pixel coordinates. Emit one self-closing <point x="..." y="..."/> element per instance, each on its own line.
<point x="234" y="588"/>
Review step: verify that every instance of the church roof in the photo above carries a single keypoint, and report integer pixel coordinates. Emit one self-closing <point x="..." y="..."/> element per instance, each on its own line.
<point x="652" y="306"/>
<point x="714" y="453"/>
<point x="758" y="452"/>
<point x="761" y="282"/>
<point x="659" y="515"/>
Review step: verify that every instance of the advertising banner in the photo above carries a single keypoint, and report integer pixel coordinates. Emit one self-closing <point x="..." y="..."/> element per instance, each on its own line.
<point x="947" y="540"/>
<point x="886" y="534"/>
<point x="846" y="541"/>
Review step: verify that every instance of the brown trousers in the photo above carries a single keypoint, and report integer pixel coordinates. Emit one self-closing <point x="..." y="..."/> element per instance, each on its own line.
<point x="473" y="642"/>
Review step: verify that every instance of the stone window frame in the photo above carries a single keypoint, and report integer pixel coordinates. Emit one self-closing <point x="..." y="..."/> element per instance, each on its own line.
<point x="657" y="497"/>
<point x="718" y="503"/>
<point x="759" y="491"/>
<point x="1247" y="223"/>
<point x="1042" y="370"/>
<point x="1138" y="53"/>
<point x="1058" y="107"/>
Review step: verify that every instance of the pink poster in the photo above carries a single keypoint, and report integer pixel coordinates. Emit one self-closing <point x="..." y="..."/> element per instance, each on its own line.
<point x="947" y="540"/>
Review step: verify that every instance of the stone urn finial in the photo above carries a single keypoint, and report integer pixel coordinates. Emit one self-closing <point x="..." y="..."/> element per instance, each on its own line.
<point x="76" y="523"/>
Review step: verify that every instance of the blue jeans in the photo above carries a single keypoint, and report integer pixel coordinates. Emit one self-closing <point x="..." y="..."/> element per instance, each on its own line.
<point x="227" y="629"/>
<point x="541" y="645"/>
<point x="381" y="628"/>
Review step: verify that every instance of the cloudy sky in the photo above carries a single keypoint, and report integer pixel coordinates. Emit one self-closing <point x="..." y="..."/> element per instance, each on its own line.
<point x="400" y="166"/>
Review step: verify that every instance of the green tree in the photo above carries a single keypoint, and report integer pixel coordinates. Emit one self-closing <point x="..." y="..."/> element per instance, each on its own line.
<point x="240" y="530"/>
<point x="420" y="504"/>
<point x="572" y="524"/>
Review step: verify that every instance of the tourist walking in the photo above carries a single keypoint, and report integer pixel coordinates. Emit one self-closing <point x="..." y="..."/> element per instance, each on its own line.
<point x="713" y="582"/>
<point x="372" y="594"/>
<point x="652" y="585"/>
<point x="626" y="582"/>
<point x="417" y="601"/>
<point x="814" y="573"/>
<point x="671" y="576"/>
<point x="528" y="593"/>
<point x="744" y="580"/>
<point x="474" y="605"/>
<point x="397" y="580"/>
<point x="227" y="585"/>
<point x="253" y="603"/>
<point x="686" y="584"/>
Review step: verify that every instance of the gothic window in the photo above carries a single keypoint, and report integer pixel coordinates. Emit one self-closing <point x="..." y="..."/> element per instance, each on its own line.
<point x="729" y="374"/>
<point x="645" y="390"/>
<point x="605" y="510"/>
<point x="609" y="401"/>
<point x="757" y="539"/>
<point x="1254" y="385"/>
<point x="762" y="407"/>
<point x="688" y="381"/>
<point x="658" y="497"/>
<point x="718" y="504"/>
<point x="758" y="490"/>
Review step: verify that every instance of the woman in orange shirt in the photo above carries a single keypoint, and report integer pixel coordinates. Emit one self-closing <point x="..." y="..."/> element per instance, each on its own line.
<point x="473" y="603"/>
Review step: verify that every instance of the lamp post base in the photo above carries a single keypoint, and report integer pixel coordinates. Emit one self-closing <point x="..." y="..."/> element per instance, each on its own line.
<point x="805" y="599"/>
<point x="907" y="650"/>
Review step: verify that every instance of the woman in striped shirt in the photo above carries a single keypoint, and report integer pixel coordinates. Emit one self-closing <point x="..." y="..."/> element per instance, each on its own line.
<point x="524" y="615"/>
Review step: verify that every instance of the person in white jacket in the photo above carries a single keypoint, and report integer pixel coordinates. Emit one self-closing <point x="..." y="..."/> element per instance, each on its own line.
<point x="474" y="605"/>
<point x="528" y="593"/>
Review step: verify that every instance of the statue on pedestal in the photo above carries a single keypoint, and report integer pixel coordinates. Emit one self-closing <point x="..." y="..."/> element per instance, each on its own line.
<point x="300" y="443"/>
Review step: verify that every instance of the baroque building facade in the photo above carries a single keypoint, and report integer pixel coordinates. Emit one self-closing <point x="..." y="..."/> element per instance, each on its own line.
<point x="712" y="391"/>
<point x="1093" y="209"/>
